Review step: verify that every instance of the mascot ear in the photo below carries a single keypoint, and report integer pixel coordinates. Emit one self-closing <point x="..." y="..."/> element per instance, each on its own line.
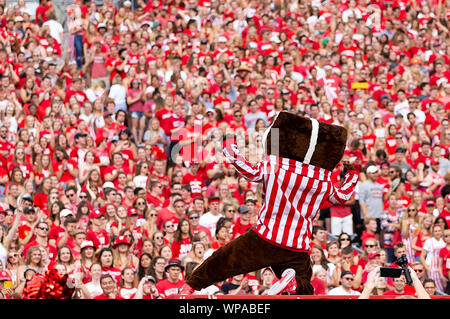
<point x="266" y="135"/>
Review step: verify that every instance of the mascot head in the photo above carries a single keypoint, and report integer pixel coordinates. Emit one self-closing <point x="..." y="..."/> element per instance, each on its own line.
<point x="305" y="140"/>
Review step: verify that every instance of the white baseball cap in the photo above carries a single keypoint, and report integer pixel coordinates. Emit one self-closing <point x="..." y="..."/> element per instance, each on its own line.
<point x="65" y="212"/>
<point x="372" y="169"/>
<point x="275" y="39"/>
<point x="108" y="185"/>
<point x="87" y="243"/>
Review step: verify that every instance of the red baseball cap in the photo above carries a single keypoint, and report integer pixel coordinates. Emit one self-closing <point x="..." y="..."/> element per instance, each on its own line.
<point x="121" y="240"/>
<point x="430" y="203"/>
<point x="4" y="276"/>
<point x="132" y="211"/>
<point x="99" y="139"/>
<point x="374" y="254"/>
<point x="95" y="214"/>
<point x="434" y="161"/>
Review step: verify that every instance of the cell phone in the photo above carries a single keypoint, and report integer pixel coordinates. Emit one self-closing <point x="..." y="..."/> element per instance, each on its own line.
<point x="390" y="272"/>
<point x="7" y="284"/>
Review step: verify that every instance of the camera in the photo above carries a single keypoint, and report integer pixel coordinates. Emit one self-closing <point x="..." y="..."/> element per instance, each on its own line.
<point x="402" y="261"/>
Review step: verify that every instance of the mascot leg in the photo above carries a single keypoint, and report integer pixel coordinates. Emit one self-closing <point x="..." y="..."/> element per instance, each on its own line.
<point x="243" y="254"/>
<point x="248" y="253"/>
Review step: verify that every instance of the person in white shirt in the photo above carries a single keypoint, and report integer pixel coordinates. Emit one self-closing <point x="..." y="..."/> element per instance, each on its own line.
<point x="118" y="93"/>
<point x="56" y="29"/>
<point x="210" y="218"/>
<point x="402" y="105"/>
<point x="345" y="289"/>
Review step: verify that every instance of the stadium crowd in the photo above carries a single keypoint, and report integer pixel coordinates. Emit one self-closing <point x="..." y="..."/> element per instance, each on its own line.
<point x="112" y="115"/>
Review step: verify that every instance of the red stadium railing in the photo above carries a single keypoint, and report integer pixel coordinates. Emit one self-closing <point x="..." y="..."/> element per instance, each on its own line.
<point x="291" y="297"/>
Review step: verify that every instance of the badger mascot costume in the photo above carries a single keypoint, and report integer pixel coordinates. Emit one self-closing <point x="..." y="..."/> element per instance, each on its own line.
<point x="301" y="153"/>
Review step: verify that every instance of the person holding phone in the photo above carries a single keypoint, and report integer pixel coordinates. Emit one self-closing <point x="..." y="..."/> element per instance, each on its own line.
<point x="399" y="285"/>
<point x="147" y="289"/>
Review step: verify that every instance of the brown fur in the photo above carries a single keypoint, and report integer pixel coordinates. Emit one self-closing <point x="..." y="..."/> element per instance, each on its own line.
<point x="294" y="136"/>
<point x="247" y="253"/>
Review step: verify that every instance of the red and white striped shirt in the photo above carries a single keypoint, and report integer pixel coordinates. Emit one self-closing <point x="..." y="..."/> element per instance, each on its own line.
<point x="293" y="193"/>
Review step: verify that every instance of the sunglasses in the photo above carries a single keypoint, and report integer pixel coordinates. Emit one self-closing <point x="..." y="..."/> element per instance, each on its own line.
<point x="411" y="210"/>
<point x="344" y="239"/>
<point x="193" y="217"/>
<point x="82" y="196"/>
<point x="43" y="228"/>
<point x="370" y="246"/>
<point x="348" y="278"/>
<point x="418" y="270"/>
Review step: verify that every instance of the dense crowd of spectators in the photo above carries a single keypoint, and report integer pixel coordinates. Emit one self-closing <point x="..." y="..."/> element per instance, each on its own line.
<point x="111" y="169"/>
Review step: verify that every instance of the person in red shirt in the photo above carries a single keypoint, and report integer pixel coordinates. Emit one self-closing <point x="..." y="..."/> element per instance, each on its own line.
<point x="189" y="139"/>
<point x="167" y="213"/>
<point x="158" y="170"/>
<point x="114" y="64"/>
<point x="446" y="211"/>
<point x="444" y="263"/>
<point x="243" y="222"/>
<point x="182" y="243"/>
<point x="195" y="180"/>
<point x="118" y="164"/>
<point x="97" y="234"/>
<point x="171" y="285"/>
<point x="425" y="156"/>
<point x="319" y="237"/>
<point x="399" y="285"/>
<point x="109" y="287"/>
<point x="41" y="238"/>
<point x="77" y="91"/>
<point x="57" y="230"/>
<point x="66" y="168"/>
<point x="27" y="225"/>
<point x="154" y="197"/>
<point x="43" y="10"/>
<point x="222" y="236"/>
<point x="194" y="218"/>
<point x="370" y="226"/>
<point x="45" y="96"/>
